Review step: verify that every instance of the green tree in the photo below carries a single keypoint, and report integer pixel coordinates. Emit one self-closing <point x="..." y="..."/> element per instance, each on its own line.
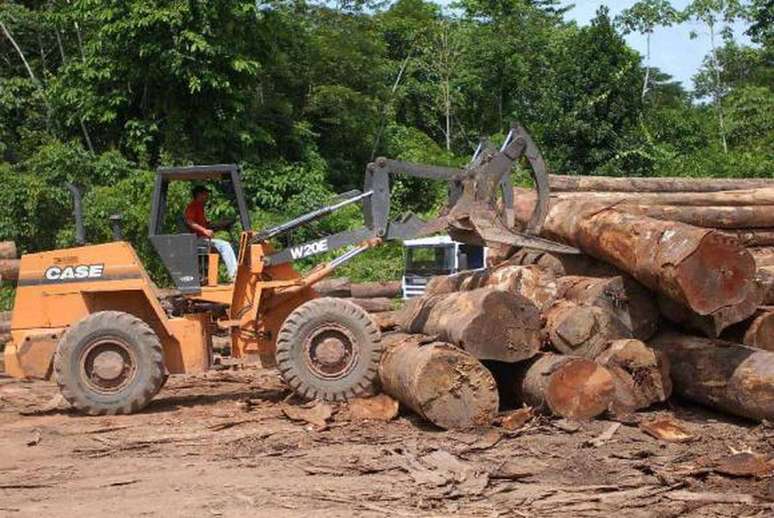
<point x="644" y="17"/>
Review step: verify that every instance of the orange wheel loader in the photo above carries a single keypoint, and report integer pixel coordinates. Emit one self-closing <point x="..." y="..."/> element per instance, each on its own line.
<point x="91" y="317"/>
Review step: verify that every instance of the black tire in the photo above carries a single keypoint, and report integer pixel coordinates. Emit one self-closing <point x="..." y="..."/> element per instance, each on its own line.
<point x="356" y="357"/>
<point x="118" y="346"/>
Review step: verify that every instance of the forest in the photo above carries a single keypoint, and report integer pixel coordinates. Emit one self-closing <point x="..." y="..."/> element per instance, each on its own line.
<point x="302" y="95"/>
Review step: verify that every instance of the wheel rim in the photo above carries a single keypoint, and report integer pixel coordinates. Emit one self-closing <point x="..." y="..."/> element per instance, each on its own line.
<point x="108" y="365"/>
<point x="330" y="351"/>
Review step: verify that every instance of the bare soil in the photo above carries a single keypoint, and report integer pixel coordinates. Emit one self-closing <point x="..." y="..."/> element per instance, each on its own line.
<point x="220" y="444"/>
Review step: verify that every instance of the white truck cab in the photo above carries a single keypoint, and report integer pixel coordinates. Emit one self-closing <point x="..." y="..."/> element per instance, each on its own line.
<point x="437" y="255"/>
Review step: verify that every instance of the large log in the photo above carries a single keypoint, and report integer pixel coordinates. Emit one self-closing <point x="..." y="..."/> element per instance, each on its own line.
<point x="441" y="383"/>
<point x="760" y="332"/>
<point x="567" y="386"/>
<point x="640" y="375"/>
<point x="619" y="295"/>
<point x="603" y="183"/>
<point x="722" y="375"/>
<point x="489" y="324"/>
<point x="8" y="250"/>
<point x="714" y="324"/>
<point x="372" y="290"/>
<point x="700" y="268"/>
<point x="377" y="305"/>
<point x="736" y="198"/>
<point x="336" y="287"/>
<point x="9" y="269"/>
<point x="582" y="330"/>
<point x="709" y="217"/>
<point x="561" y="265"/>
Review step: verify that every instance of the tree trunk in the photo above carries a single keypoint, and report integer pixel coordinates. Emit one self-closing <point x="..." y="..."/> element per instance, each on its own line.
<point x="441" y="383"/>
<point x="336" y="287"/>
<point x="377" y="305"/>
<point x="9" y="269"/>
<point x="723" y="375"/>
<point x="582" y="330"/>
<point x="561" y="265"/>
<point x="640" y="375"/>
<point x="370" y="290"/>
<point x="760" y="333"/>
<point x="700" y="268"/>
<point x="567" y="386"/>
<point x="561" y="183"/>
<point x="8" y="250"/>
<point x="488" y="323"/>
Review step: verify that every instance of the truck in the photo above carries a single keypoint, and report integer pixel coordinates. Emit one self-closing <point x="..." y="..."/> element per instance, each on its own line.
<point x="427" y="257"/>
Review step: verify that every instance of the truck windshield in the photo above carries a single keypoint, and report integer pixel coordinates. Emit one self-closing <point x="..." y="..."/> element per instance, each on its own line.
<point x="430" y="260"/>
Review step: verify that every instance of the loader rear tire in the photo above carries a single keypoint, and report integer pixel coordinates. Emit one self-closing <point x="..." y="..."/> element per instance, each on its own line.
<point x="329" y="349"/>
<point x="109" y="363"/>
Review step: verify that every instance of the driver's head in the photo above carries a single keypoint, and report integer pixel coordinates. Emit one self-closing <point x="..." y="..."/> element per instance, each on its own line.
<point x="200" y="193"/>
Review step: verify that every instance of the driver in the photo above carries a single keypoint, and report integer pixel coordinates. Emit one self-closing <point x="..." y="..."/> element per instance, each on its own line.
<point x="197" y="221"/>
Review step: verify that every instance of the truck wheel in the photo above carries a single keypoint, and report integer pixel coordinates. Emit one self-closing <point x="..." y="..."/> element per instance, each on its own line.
<point x="329" y="349"/>
<point x="109" y="363"/>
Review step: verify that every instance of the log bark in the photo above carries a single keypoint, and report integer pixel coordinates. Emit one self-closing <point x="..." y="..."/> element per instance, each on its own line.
<point x="722" y="375"/>
<point x="336" y="287"/>
<point x="640" y="375"/>
<point x="489" y="324"/>
<point x="731" y="198"/>
<point x="377" y="305"/>
<point x="700" y="268"/>
<point x="8" y="250"/>
<point x="602" y="183"/>
<point x="567" y="386"/>
<point x="371" y="290"/>
<point x="561" y="265"/>
<point x="5" y="327"/>
<point x="9" y="269"/>
<point x="441" y="383"/>
<point x="582" y="330"/>
<point x="760" y="333"/>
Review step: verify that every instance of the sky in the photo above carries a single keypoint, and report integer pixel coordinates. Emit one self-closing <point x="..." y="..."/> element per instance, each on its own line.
<point x="672" y="49"/>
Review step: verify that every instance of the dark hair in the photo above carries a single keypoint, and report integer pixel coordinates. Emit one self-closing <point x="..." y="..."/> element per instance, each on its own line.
<point x="197" y="190"/>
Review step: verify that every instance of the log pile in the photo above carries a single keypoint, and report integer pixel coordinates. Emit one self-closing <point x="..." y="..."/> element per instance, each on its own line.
<point x="9" y="271"/>
<point x="374" y="297"/>
<point x="673" y="294"/>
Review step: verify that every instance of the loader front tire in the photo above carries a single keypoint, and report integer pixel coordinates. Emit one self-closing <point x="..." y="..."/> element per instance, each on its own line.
<point x="109" y="363"/>
<point x="329" y="349"/>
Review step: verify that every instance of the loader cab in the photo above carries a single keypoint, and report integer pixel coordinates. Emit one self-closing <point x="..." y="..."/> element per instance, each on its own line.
<point x="438" y="255"/>
<point x="180" y="249"/>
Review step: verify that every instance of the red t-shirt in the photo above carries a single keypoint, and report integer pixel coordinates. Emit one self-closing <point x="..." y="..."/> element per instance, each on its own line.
<point x="195" y="213"/>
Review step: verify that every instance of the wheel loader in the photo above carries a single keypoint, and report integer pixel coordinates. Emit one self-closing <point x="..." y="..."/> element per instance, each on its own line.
<point x="91" y="318"/>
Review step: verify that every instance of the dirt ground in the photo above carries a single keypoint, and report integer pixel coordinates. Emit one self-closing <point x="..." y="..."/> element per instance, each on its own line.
<point x="221" y="445"/>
